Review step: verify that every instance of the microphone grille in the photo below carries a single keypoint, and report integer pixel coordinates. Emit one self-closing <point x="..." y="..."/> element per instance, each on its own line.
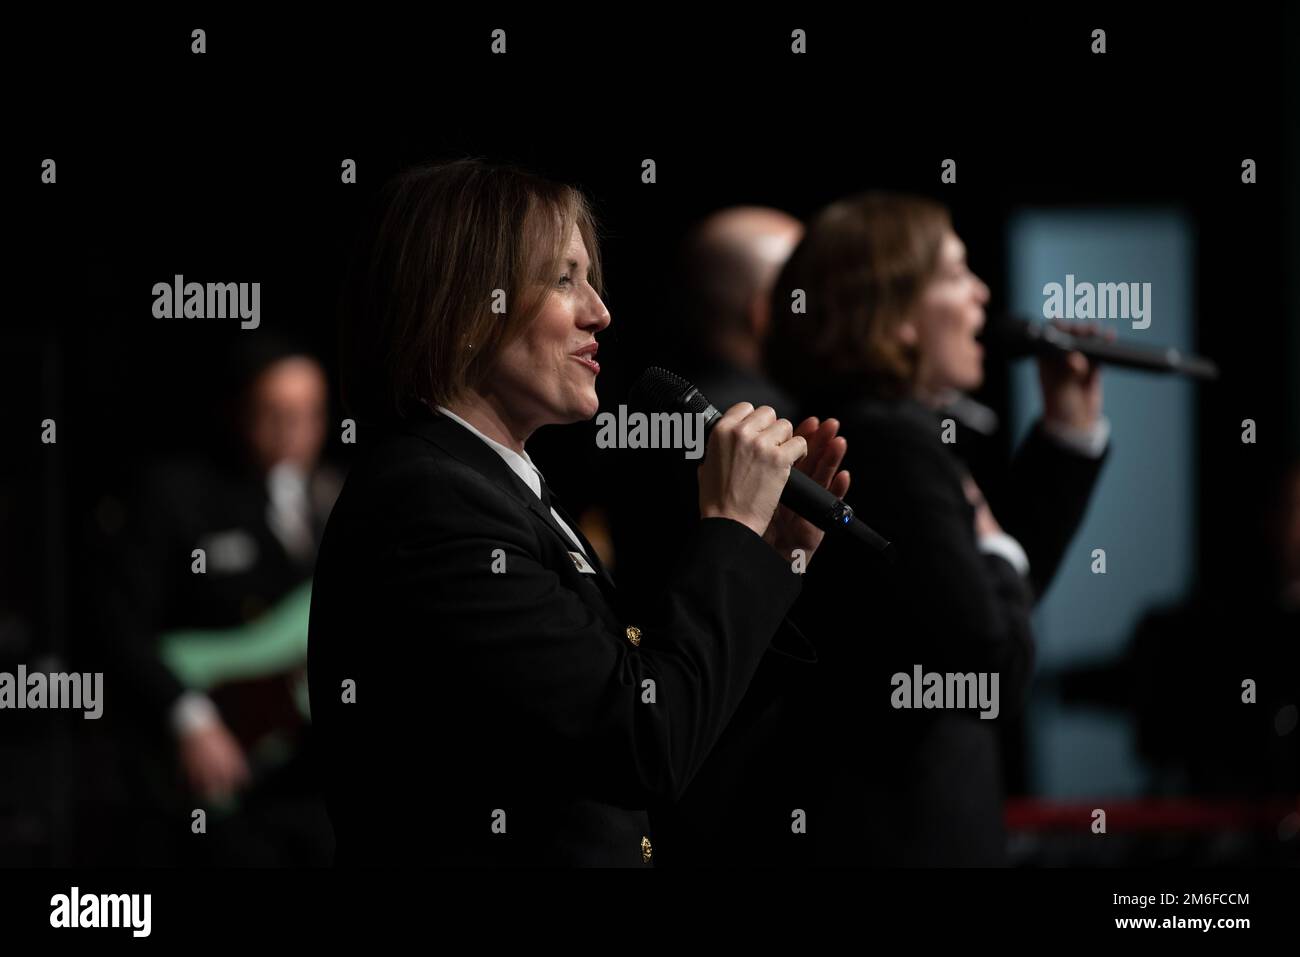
<point x="658" y="390"/>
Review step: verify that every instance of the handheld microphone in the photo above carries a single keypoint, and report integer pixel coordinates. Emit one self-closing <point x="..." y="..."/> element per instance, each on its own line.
<point x="658" y="390"/>
<point x="1017" y="337"/>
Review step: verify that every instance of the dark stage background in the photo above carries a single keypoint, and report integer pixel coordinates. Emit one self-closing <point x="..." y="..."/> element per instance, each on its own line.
<point x="225" y="167"/>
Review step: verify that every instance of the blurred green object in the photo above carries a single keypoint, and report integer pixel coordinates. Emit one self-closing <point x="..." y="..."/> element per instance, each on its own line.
<point x="275" y="641"/>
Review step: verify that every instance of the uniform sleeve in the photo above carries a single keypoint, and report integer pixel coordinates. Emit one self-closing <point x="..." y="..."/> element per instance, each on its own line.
<point x="1047" y="497"/>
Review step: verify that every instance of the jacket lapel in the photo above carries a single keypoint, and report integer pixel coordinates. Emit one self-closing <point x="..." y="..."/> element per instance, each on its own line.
<point x="459" y="442"/>
<point x="592" y="556"/>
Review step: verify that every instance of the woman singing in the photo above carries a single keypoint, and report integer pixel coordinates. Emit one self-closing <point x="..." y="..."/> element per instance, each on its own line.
<point x="889" y="338"/>
<point x="481" y="694"/>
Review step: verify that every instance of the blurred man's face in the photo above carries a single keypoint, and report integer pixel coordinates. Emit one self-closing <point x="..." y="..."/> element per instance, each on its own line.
<point x="286" y="414"/>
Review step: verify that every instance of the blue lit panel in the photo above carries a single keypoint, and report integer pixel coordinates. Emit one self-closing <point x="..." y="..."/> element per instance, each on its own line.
<point x="1143" y="511"/>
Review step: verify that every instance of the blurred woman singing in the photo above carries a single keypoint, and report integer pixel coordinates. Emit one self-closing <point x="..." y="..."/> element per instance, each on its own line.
<point x="482" y="696"/>
<point x="908" y="776"/>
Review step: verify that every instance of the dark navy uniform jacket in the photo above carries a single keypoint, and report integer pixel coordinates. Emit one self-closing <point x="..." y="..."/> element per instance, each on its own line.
<point x="482" y="699"/>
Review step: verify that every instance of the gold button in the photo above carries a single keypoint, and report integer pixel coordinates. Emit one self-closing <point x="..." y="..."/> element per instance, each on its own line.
<point x="647" y="851"/>
<point x="634" y="635"/>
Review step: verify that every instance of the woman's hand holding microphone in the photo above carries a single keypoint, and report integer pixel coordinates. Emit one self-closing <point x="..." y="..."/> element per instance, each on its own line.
<point x="747" y="464"/>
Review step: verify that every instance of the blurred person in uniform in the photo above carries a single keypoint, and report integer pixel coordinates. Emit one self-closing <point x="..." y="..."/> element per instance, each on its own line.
<point x="203" y="604"/>
<point x="888" y="340"/>
<point x="728" y="263"/>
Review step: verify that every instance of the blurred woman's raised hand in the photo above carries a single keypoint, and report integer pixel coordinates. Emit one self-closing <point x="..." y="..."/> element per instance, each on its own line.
<point x="1071" y="385"/>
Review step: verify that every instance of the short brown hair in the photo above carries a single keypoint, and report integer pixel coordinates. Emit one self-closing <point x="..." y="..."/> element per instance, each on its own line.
<point x="417" y="323"/>
<point x="862" y="265"/>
